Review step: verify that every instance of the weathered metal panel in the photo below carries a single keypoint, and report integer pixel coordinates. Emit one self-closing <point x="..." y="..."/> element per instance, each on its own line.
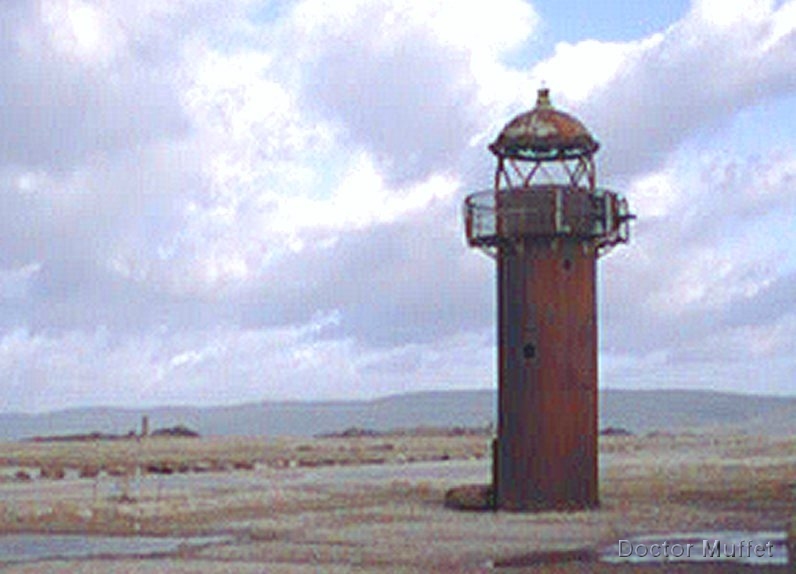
<point x="547" y="428"/>
<point x="546" y="211"/>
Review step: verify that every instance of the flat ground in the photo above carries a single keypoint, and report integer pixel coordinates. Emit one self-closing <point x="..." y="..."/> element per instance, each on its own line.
<point x="375" y="504"/>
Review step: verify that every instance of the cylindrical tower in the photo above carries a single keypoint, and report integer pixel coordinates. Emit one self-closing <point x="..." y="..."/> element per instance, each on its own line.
<point x="546" y="223"/>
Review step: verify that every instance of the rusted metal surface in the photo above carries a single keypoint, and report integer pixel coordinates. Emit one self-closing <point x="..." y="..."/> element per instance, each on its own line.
<point x="547" y="424"/>
<point x="546" y="237"/>
<point x="547" y="211"/>
<point x="544" y="133"/>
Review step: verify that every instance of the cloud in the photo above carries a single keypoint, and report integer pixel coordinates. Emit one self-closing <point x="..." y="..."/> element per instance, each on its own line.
<point x="649" y="96"/>
<point x="223" y="366"/>
<point x="223" y="201"/>
<point x="14" y="283"/>
<point x="74" y="84"/>
<point x="702" y="281"/>
<point x="399" y="77"/>
<point x="707" y="277"/>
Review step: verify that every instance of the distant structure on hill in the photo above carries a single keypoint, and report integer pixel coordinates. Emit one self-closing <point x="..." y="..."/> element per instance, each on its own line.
<point x="178" y="431"/>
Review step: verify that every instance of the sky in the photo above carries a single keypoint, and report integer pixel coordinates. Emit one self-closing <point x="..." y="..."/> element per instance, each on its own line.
<point x="214" y="202"/>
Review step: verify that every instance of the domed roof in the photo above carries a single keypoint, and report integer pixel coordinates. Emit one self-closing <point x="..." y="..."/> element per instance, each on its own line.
<point x="544" y="134"/>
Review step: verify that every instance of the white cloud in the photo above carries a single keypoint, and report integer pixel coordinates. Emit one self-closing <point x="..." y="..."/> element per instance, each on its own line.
<point x="725" y="14"/>
<point x="404" y="79"/>
<point x="658" y="194"/>
<point x="361" y="199"/>
<point x="222" y="366"/>
<point x="81" y="30"/>
<point x="494" y="28"/>
<point x="648" y="96"/>
<point x="706" y="281"/>
<point x="15" y="283"/>
<point x="223" y="201"/>
<point x="576" y="71"/>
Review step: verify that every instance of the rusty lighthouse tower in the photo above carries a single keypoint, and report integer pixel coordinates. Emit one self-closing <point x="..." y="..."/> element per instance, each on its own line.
<point x="546" y="223"/>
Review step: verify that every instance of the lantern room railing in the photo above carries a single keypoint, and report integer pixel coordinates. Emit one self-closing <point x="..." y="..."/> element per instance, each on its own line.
<point x="498" y="218"/>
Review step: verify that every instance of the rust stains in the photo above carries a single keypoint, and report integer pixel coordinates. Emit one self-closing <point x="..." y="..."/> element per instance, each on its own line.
<point x="544" y="133"/>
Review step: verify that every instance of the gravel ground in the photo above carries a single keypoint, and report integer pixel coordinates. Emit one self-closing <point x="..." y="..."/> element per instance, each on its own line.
<point x="374" y="504"/>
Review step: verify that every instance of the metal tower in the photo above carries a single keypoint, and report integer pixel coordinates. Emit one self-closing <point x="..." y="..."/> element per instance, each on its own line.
<point x="546" y="223"/>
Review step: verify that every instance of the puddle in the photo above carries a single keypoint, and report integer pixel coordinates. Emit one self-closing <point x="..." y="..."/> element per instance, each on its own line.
<point x="751" y="548"/>
<point x="16" y="548"/>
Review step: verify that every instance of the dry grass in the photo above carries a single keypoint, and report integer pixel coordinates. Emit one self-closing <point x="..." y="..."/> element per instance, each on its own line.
<point x="226" y="453"/>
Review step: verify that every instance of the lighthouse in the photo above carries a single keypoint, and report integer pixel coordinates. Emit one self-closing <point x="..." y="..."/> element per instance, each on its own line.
<point x="545" y="222"/>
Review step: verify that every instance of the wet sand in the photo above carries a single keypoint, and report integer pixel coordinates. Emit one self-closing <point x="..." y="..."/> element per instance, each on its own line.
<point x="375" y="504"/>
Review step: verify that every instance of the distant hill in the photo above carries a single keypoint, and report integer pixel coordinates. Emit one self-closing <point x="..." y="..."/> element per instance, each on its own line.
<point x="637" y="411"/>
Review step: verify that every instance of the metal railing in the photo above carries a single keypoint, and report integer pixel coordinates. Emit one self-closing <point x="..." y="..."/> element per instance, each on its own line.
<point x="495" y="218"/>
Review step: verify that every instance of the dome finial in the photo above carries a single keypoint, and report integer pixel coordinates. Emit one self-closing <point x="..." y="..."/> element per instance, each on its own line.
<point x="543" y="97"/>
